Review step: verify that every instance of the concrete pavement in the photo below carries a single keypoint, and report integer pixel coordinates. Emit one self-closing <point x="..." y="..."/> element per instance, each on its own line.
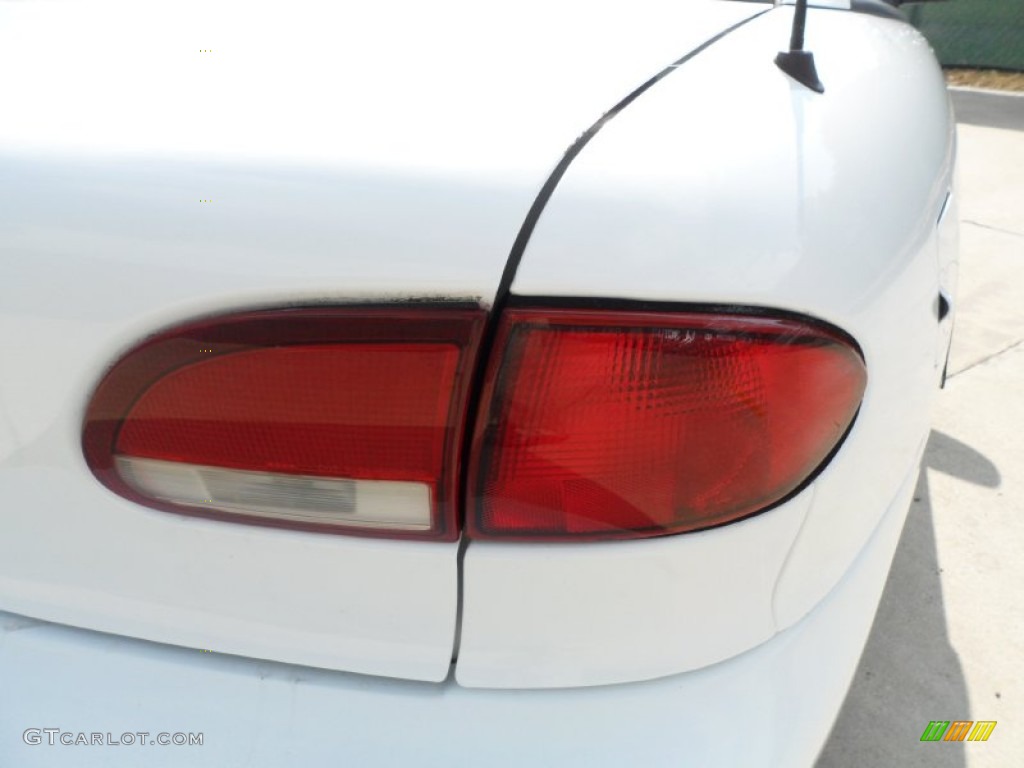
<point x="948" y="640"/>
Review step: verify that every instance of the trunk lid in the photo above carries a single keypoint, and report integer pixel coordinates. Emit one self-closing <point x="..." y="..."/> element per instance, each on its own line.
<point x="160" y="167"/>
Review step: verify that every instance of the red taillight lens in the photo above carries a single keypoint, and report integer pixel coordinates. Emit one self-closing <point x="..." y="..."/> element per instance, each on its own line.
<point x="336" y="419"/>
<point x="623" y="424"/>
<point x="592" y="425"/>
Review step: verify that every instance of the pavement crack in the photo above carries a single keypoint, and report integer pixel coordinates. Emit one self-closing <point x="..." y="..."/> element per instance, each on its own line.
<point x="985" y="359"/>
<point x="994" y="229"/>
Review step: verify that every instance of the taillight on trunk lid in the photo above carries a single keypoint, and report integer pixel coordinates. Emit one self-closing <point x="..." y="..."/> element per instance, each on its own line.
<point x="344" y="420"/>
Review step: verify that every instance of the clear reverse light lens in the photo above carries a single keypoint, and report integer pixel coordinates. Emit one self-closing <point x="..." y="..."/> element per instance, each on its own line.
<point x="297" y="498"/>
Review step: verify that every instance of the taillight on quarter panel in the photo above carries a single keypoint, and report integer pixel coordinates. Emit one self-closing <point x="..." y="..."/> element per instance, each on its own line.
<point x="624" y="424"/>
<point x="344" y="419"/>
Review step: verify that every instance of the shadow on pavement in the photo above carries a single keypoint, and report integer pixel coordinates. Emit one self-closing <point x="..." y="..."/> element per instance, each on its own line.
<point x="948" y="455"/>
<point x="909" y="673"/>
<point x="995" y="110"/>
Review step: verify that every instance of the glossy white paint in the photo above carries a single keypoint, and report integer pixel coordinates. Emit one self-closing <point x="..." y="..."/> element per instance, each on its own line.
<point x="455" y="87"/>
<point x="346" y="154"/>
<point x="349" y="152"/>
<point x="727" y="183"/>
<point x="771" y="706"/>
<point x="560" y="615"/>
<point x="381" y="608"/>
<point x="363" y="161"/>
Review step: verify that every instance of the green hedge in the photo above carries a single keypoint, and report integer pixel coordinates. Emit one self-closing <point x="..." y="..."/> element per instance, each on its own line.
<point x="974" y="33"/>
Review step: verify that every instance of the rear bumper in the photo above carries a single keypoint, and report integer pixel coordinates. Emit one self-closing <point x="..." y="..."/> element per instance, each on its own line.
<point x="771" y="706"/>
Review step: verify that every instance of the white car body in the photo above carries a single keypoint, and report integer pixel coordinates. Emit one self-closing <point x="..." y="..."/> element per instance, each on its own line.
<point x="380" y="153"/>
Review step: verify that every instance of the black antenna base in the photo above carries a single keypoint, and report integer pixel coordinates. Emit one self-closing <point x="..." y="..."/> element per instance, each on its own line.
<point x="800" y="66"/>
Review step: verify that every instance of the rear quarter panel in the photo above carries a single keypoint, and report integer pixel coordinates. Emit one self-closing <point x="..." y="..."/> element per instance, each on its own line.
<point x="729" y="184"/>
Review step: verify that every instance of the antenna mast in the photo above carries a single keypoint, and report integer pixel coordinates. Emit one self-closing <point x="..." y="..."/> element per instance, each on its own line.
<point x="796" y="62"/>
